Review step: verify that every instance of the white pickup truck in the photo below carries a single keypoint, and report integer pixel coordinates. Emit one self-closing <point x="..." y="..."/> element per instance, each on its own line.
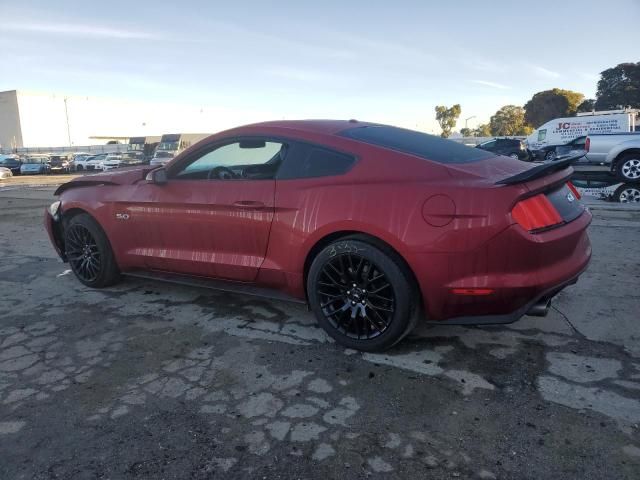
<point x="618" y="153"/>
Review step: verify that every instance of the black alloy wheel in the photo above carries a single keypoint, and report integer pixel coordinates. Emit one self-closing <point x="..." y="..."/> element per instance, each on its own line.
<point x="89" y="253"/>
<point x="83" y="253"/>
<point x="356" y="296"/>
<point x="362" y="294"/>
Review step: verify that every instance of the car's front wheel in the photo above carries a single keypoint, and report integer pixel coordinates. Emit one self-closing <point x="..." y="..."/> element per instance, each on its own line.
<point x="628" y="168"/>
<point x="627" y="194"/>
<point x="550" y="156"/>
<point x="89" y="252"/>
<point x="362" y="294"/>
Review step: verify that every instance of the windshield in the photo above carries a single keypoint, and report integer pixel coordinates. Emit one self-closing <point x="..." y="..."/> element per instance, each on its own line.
<point x="5" y="161"/>
<point x="168" y="146"/>
<point x="36" y="160"/>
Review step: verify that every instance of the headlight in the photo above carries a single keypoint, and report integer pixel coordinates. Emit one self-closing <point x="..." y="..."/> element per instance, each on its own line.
<point x="54" y="208"/>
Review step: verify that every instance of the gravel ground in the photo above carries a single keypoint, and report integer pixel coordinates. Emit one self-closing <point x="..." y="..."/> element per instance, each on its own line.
<point x="152" y="380"/>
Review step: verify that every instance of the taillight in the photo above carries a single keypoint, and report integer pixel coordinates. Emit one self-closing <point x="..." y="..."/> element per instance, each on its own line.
<point x="587" y="144"/>
<point x="536" y="213"/>
<point x="574" y="190"/>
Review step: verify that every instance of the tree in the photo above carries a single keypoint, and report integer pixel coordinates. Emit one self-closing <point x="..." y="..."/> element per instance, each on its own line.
<point x="550" y="104"/>
<point x="466" y="132"/>
<point x="509" y="120"/>
<point x="483" y="130"/>
<point x="618" y="87"/>
<point x="587" y="106"/>
<point x="447" y="118"/>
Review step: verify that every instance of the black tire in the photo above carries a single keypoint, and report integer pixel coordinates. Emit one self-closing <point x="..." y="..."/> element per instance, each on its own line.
<point x="79" y="168"/>
<point x="627" y="193"/>
<point x="514" y="155"/>
<point x="550" y="155"/>
<point x="89" y="252"/>
<point x="372" y="320"/>
<point x="628" y="167"/>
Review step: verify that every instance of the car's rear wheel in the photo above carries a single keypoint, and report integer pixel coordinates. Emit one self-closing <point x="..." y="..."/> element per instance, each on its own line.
<point x="89" y="253"/>
<point x="628" y="167"/>
<point x="551" y="155"/>
<point x="514" y="156"/>
<point x="362" y="294"/>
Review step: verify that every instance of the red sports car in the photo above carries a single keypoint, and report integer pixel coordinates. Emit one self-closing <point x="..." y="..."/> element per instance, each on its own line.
<point x="373" y="226"/>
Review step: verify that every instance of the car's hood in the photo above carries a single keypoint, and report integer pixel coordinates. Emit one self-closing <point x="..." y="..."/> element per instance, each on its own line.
<point x="122" y="176"/>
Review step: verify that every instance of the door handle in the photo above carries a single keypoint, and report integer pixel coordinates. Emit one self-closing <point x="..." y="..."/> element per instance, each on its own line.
<point x="249" y="204"/>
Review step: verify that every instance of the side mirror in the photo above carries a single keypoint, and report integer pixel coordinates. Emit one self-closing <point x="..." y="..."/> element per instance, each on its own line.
<point x="157" y="176"/>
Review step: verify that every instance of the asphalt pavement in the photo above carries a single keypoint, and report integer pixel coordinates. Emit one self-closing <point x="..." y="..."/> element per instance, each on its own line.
<point x="154" y="380"/>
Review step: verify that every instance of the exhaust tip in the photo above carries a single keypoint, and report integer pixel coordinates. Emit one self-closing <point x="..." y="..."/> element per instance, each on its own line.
<point x="540" y="309"/>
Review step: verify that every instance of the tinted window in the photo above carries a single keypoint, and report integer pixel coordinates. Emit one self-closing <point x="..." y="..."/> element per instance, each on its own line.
<point x="420" y="144"/>
<point x="306" y="161"/>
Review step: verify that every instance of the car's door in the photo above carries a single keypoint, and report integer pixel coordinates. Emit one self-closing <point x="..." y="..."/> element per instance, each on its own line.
<point x="212" y="217"/>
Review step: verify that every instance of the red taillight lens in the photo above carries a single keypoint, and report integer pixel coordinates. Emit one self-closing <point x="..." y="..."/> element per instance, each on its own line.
<point x="587" y="144"/>
<point x="535" y="213"/>
<point x="574" y="190"/>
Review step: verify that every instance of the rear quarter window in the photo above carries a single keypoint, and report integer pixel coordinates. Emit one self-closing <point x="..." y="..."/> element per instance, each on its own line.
<point x="308" y="161"/>
<point x="420" y="144"/>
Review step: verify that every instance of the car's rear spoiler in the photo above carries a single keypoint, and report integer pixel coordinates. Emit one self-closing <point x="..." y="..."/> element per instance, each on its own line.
<point x="541" y="170"/>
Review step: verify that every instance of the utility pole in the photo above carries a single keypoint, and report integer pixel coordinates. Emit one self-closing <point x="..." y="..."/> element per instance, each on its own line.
<point x="66" y="113"/>
<point x="467" y="120"/>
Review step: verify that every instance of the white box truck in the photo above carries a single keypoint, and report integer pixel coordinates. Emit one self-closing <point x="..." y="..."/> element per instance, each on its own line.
<point x="544" y="140"/>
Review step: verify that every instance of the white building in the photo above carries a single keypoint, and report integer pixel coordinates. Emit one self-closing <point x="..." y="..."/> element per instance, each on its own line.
<point x="33" y="119"/>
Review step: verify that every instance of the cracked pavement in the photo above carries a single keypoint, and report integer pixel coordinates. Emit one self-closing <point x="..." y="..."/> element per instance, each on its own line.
<point x="154" y="380"/>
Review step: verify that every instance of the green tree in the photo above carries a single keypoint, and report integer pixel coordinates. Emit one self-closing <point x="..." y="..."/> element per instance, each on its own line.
<point x="587" y="106"/>
<point x="466" y="132"/>
<point x="550" y="104"/>
<point x="483" y="130"/>
<point x="618" y="87"/>
<point x="508" y="121"/>
<point x="447" y="118"/>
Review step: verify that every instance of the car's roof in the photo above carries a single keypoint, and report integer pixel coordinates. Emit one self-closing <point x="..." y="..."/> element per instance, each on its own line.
<point x="329" y="127"/>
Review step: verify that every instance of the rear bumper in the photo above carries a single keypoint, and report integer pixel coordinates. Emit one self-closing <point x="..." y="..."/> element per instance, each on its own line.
<point x="518" y="267"/>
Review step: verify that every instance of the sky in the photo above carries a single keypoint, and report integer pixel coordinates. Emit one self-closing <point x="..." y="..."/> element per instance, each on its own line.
<point x="384" y="61"/>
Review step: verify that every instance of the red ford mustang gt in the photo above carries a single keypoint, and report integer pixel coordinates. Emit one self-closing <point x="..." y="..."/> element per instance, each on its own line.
<point x="374" y="226"/>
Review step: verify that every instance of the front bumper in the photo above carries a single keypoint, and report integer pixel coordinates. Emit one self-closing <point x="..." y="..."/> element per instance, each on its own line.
<point x="54" y="230"/>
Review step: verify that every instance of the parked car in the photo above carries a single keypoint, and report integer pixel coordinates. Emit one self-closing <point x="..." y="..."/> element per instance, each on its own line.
<point x="12" y="162"/>
<point x="35" y="164"/>
<point x="80" y="161"/>
<point x="617" y="154"/>
<point x="374" y="226"/>
<point x="5" y="173"/>
<point x="61" y="163"/>
<point x="96" y="162"/>
<point x="509" y="147"/>
<point x="126" y="159"/>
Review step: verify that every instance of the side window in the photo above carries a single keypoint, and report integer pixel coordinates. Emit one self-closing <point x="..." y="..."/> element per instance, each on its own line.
<point x="308" y="161"/>
<point x="542" y="134"/>
<point x="245" y="159"/>
<point x="488" y="145"/>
